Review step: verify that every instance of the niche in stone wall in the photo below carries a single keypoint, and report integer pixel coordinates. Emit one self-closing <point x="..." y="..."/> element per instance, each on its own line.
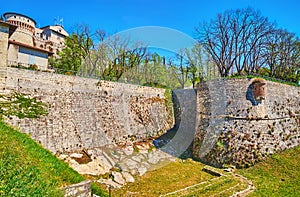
<point x="256" y="91"/>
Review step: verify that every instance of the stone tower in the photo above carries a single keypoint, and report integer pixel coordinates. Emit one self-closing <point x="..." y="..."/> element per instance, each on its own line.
<point x="25" y="30"/>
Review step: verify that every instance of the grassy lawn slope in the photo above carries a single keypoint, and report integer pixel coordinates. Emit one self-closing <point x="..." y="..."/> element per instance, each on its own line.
<point x="27" y="169"/>
<point x="278" y="176"/>
<point x="172" y="177"/>
<point x="182" y="179"/>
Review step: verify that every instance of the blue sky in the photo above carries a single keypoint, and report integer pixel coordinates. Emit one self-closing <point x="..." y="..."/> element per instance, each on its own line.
<point x="119" y="15"/>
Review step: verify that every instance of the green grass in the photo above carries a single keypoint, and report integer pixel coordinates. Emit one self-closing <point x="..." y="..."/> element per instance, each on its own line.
<point x="27" y="169"/>
<point x="208" y="189"/>
<point x="215" y="187"/>
<point x="278" y="176"/>
<point x="174" y="176"/>
<point x="182" y="179"/>
<point x="179" y="175"/>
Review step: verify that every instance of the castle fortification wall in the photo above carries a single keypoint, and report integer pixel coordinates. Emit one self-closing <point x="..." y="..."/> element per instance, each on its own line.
<point x="233" y="128"/>
<point x="86" y="113"/>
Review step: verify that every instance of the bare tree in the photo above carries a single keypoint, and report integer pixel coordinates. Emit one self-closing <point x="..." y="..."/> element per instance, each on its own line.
<point x="283" y="54"/>
<point x="235" y="39"/>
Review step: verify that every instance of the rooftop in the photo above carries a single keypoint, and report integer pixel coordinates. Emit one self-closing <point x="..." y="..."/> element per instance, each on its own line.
<point x="17" y="14"/>
<point x="30" y="47"/>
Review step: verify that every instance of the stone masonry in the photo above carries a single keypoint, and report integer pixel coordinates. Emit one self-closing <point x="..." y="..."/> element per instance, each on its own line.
<point x="4" y="32"/>
<point x="87" y="113"/>
<point x="82" y="189"/>
<point x="233" y="128"/>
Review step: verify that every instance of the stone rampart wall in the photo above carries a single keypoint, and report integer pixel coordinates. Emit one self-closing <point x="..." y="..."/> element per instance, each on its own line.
<point x="232" y="128"/>
<point x="87" y="113"/>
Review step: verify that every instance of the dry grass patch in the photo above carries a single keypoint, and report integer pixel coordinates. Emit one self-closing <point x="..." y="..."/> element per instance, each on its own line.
<point x="175" y="176"/>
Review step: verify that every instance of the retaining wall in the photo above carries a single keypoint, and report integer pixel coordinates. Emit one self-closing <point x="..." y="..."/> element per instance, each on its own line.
<point x="232" y="128"/>
<point x="87" y="113"/>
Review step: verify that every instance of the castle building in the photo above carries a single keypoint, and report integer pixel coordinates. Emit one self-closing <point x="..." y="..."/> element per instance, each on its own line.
<point x="28" y="45"/>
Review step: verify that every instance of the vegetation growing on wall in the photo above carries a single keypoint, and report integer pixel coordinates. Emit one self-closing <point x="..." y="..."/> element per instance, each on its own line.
<point x="21" y="106"/>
